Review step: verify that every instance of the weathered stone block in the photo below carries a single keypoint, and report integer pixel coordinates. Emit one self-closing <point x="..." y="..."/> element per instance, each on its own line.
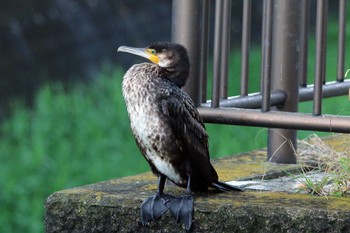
<point x="114" y="205"/>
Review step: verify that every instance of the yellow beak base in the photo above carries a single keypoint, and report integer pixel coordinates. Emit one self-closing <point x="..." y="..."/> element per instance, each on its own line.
<point x="142" y="52"/>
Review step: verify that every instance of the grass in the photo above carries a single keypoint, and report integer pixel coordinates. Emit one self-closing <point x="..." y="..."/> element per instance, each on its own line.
<point x="318" y="156"/>
<point x="81" y="135"/>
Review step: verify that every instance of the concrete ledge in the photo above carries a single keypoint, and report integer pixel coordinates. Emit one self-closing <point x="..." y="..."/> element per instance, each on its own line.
<point x="114" y="206"/>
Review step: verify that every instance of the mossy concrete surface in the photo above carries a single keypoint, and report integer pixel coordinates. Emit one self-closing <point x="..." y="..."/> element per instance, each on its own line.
<point x="114" y="205"/>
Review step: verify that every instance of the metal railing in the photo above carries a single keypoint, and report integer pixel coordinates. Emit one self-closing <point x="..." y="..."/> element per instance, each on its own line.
<point x="285" y="29"/>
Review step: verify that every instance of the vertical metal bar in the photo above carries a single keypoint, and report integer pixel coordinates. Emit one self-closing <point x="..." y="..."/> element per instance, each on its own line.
<point x="304" y="39"/>
<point x="341" y="40"/>
<point x="285" y="72"/>
<point x="185" y="30"/>
<point x="246" y="27"/>
<point x="217" y="54"/>
<point x="204" y="49"/>
<point x="225" y="48"/>
<point x="263" y="47"/>
<point x="320" y="61"/>
<point x="266" y="54"/>
<point x="325" y="20"/>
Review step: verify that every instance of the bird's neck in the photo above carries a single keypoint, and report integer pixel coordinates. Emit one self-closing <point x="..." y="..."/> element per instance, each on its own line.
<point x="177" y="75"/>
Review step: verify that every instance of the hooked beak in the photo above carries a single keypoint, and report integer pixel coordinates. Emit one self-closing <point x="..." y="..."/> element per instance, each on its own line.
<point x="142" y="52"/>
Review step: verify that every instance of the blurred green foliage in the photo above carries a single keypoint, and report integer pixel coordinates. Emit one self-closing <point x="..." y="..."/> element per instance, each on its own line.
<point x="67" y="139"/>
<point x="81" y="135"/>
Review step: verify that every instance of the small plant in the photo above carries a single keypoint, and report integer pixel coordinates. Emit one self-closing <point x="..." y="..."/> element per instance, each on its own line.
<point x="342" y="178"/>
<point x="314" y="187"/>
<point x="335" y="164"/>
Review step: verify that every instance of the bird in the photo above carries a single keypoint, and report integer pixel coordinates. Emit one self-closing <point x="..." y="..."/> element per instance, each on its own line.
<point x="168" y="129"/>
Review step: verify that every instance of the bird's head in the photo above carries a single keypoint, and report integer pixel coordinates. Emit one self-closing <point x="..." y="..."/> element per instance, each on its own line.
<point x="170" y="57"/>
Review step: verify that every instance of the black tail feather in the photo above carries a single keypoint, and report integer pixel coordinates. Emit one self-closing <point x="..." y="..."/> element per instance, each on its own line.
<point x="224" y="186"/>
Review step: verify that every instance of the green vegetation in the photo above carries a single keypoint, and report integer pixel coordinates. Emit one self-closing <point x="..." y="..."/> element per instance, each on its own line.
<point x="66" y="140"/>
<point x="342" y="177"/>
<point x="81" y="135"/>
<point x="334" y="162"/>
<point x="334" y="183"/>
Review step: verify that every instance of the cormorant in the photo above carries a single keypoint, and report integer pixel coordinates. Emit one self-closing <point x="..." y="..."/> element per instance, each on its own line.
<point x="168" y="129"/>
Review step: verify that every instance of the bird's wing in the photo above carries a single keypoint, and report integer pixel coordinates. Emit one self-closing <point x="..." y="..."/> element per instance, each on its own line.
<point x="191" y="136"/>
<point x="186" y="123"/>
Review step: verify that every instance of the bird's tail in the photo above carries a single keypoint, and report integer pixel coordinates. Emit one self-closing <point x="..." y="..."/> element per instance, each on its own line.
<point x="224" y="186"/>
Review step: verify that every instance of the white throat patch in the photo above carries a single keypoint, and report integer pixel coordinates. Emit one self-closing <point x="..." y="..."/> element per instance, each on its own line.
<point x="164" y="63"/>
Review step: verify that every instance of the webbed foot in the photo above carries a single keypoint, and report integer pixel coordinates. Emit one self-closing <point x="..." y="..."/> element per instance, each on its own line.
<point x="154" y="207"/>
<point x="182" y="209"/>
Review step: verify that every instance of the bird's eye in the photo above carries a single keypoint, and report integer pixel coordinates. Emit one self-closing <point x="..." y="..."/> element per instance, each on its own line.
<point x="152" y="51"/>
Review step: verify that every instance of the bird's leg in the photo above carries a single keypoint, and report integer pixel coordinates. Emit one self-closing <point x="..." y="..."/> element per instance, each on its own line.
<point x="182" y="207"/>
<point x="155" y="206"/>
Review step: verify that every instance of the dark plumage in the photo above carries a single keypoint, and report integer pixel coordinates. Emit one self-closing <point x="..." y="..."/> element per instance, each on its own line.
<point x="165" y="122"/>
